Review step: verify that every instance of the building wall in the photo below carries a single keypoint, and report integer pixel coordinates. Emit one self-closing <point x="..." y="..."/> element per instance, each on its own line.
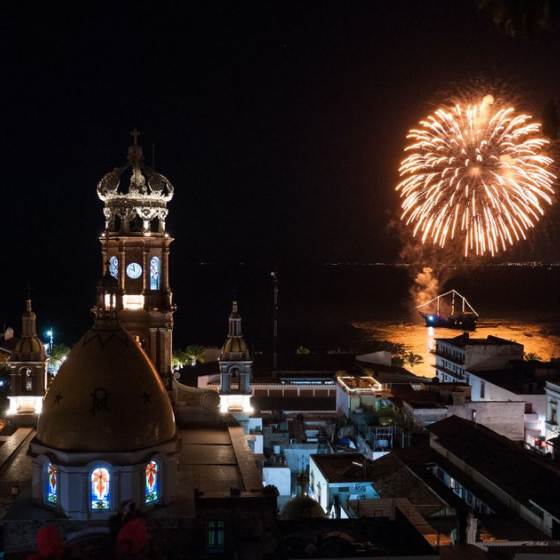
<point x="453" y="362"/>
<point x="533" y="419"/>
<point x="346" y="402"/>
<point x="552" y="409"/>
<point x="281" y="477"/>
<point x="505" y="418"/>
<point x="491" y="356"/>
<point x="421" y="417"/>
<point x="324" y="491"/>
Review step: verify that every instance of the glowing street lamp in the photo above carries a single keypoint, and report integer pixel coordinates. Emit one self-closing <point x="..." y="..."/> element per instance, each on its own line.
<point x="50" y="335"/>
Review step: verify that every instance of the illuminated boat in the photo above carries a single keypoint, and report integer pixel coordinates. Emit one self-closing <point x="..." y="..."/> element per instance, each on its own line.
<point x="450" y="310"/>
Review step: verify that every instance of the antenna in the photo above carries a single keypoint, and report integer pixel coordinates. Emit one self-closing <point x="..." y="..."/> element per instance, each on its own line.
<point x="274" y="275"/>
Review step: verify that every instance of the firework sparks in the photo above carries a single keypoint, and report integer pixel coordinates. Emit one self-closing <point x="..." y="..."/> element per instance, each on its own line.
<point x="475" y="172"/>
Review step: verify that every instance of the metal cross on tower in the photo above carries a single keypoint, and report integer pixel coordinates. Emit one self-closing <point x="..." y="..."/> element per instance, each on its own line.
<point x="135" y="133"/>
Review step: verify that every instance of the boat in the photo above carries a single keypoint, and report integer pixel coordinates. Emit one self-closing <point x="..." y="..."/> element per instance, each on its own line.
<point x="450" y="310"/>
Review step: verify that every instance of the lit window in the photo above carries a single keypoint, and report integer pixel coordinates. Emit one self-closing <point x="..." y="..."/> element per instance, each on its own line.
<point x="152" y="482"/>
<point x="155" y="269"/>
<point x="133" y="302"/>
<point x="100" y="489"/>
<point x="52" y="484"/>
<point x="216" y="535"/>
<point x="114" y="267"/>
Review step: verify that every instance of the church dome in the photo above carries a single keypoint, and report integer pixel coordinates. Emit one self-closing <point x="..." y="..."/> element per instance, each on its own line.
<point x="106" y="397"/>
<point x="300" y="508"/>
<point x="235" y="347"/>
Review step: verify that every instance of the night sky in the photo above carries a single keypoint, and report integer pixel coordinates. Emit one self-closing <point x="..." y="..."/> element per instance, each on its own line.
<point x="280" y="124"/>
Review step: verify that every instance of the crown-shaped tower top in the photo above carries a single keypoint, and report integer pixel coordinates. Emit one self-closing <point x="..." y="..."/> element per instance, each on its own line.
<point x="140" y="208"/>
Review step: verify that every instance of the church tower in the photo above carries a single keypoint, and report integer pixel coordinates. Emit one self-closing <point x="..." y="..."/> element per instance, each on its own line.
<point x="27" y="368"/>
<point x="235" y="369"/>
<point x="135" y="252"/>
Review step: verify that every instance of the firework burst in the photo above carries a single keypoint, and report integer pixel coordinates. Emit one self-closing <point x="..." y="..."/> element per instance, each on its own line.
<point x="476" y="172"/>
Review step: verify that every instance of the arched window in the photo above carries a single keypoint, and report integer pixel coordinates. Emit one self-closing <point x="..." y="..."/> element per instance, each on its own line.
<point x="28" y="379"/>
<point x="114" y="267"/>
<point x="100" y="493"/>
<point x="152" y="482"/>
<point x="155" y="269"/>
<point x="51" y="484"/>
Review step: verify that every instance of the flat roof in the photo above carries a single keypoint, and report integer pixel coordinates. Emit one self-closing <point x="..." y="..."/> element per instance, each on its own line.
<point x="319" y="404"/>
<point x="359" y="383"/>
<point x="513" y="381"/>
<point x="464" y="340"/>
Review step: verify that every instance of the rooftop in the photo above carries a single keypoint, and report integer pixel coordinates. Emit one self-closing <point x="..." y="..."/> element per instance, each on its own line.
<point x="464" y="340"/>
<point x="291" y="404"/>
<point x="359" y="383"/>
<point x="407" y="473"/>
<point x="354" y="538"/>
<point x="522" y="377"/>
<point x="343" y="467"/>
<point x="492" y="455"/>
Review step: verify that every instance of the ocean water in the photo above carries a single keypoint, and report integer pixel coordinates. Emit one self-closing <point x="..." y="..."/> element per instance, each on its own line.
<point x="350" y="307"/>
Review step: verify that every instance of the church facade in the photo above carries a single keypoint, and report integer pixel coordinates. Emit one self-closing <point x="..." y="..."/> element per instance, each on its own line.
<point x="107" y="431"/>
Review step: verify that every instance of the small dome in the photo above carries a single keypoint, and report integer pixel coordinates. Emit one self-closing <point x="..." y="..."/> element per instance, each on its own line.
<point x="107" y="396"/>
<point x="302" y="507"/>
<point x="29" y="349"/>
<point x="235" y="345"/>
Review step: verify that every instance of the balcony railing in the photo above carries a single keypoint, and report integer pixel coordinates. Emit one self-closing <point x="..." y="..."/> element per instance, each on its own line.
<point x="455" y="358"/>
<point x="450" y="372"/>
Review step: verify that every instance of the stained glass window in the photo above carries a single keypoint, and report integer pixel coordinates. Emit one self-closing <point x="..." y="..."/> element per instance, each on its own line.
<point x="152" y="482"/>
<point x="114" y="267"/>
<point x="100" y="489"/>
<point x="52" y="484"/>
<point x="155" y="269"/>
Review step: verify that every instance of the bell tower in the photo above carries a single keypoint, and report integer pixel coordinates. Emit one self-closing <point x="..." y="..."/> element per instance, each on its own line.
<point x="135" y="252"/>
<point x="27" y="368"/>
<point x="236" y="368"/>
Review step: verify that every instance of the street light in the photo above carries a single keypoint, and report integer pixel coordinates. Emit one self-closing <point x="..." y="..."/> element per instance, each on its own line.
<point x="50" y="335"/>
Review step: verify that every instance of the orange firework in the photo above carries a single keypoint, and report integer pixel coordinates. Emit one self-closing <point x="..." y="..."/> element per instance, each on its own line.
<point x="475" y="172"/>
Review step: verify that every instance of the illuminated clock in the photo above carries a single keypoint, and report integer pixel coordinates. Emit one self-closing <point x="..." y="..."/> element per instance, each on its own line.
<point x="134" y="270"/>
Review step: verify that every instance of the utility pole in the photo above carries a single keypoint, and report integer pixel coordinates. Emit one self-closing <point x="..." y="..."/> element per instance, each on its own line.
<point x="274" y="275"/>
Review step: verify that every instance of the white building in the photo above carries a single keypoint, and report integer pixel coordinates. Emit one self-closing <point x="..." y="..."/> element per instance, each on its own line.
<point x="522" y="381"/>
<point x="552" y="390"/>
<point x="337" y="478"/>
<point x="455" y="357"/>
<point x="355" y="392"/>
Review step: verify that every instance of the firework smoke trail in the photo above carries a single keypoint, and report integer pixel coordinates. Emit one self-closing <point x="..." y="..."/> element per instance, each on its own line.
<point x="478" y="172"/>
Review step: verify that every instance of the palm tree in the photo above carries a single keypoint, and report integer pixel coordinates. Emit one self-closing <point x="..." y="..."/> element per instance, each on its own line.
<point x="195" y="353"/>
<point x="57" y="355"/>
<point x="413" y="359"/>
<point x="189" y="355"/>
<point x="531" y="356"/>
<point x="302" y="350"/>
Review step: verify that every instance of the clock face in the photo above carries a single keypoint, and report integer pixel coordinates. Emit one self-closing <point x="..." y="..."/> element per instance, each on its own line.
<point x="134" y="270"/>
